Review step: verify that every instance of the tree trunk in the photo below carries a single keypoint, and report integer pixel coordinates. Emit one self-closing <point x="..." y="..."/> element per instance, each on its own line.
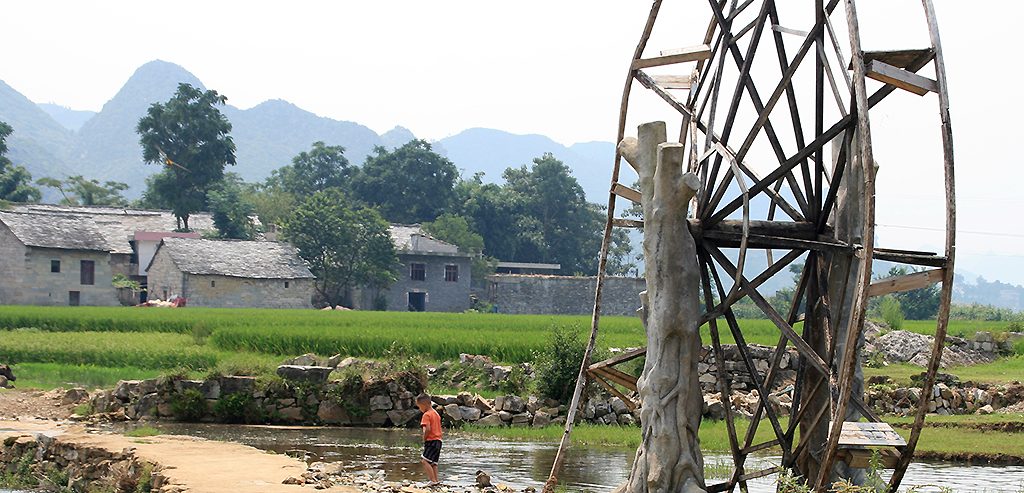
<point x="669" y="458"/>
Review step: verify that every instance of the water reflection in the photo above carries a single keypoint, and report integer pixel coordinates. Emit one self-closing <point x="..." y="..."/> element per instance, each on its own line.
<point x="522" y="464"/>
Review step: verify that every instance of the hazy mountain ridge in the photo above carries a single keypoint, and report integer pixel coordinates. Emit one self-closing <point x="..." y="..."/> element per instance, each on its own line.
<point x="67" y="117"/>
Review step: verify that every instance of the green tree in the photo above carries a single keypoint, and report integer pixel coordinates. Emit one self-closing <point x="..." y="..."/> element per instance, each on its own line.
<point x="76" y="190"/>
<point x="411" y="184"/>
<point x="556" y="224"/>
<point x="231" y="210"/>
<point x="917" y="304"/>
<point x="271" y="204"/>
<point x="493" y="213"/>
<point x="345" y="247"/>
<point x="457" y="231"/>
<point x="892" y="312"/>
<point x="15" y="181"/>
<point x="190" y="137"/>
<point x="320" y="168"/>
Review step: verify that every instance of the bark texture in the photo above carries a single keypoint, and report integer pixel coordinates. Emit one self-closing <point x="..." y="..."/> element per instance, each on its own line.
<point x="669" y="458"/>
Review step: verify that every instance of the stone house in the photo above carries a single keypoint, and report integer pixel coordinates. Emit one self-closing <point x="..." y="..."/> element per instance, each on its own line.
<point x="55" y="260"/>
<point x="118" y="227"/>
<point x="230" y="274"/>
<point x="433" y="276"/>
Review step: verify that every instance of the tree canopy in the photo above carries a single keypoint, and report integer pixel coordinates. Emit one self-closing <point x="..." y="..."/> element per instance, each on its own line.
<point x="556" y="223"/>
<point x="320" y="168"/>
<point x="15" y="181"/>
<point x="411" y="184"/>
<point x="345" y="247"/>
<point x="76" y="190"/>
<point x="189" y="136"/>
<point x="231" y="210"/>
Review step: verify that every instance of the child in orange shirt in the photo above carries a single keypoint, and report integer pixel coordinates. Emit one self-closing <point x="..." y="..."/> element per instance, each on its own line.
<point x="431" y="424"/>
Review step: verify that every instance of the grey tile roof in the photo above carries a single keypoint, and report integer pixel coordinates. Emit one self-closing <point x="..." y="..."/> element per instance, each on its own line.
<point x="56" y="231"/>
<point x="246" y="259"/>
<point x="412" y="239"/>
<point x="118" y="224"/>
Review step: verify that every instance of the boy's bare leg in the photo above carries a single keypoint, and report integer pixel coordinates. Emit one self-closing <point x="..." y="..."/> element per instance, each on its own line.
<point x="430" y="469"/>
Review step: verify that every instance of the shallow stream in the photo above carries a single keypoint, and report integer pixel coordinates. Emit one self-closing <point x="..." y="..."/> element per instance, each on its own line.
<point x="521" y="464"/>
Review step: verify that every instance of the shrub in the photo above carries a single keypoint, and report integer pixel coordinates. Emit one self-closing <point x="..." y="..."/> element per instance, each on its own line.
<point x="558" y="365"/>
<point x="892" y="313"/>
<point x="238" y="408"/>
<point x="189" y="405"/>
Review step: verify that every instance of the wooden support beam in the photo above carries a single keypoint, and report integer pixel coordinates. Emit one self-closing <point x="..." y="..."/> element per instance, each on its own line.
<point x="680" y="55"/>
<point x="673" y="81"/>
<point x="611" y="388"/>
<point x="762" y="473"/>
<point x="907" y="282"/>
<point x="760" y="446"/>
<point x="901" y="78"/>
<point x="912" y="258"/>
<point x="795" y="32"/>
<point x="626" y="193"/>
<point x="627" y="223"/>
<point x="622" y="358"/>
<point x="908" y="59"/>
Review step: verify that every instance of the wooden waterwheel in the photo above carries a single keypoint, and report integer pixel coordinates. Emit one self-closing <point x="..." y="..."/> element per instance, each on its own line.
<point x="790" y="127"/>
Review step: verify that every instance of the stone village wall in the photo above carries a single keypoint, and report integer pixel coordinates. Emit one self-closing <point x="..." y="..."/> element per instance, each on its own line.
<point x="562" y="295"/>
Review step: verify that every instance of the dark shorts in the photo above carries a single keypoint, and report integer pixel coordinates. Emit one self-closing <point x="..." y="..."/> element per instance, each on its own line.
<point x="432" y="451"/>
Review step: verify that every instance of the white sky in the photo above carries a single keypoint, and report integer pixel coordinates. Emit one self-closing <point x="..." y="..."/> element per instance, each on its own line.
<point x="549" y="67"/>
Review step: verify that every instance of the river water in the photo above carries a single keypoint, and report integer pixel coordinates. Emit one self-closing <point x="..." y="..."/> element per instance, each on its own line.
<point x="521" y="464"/>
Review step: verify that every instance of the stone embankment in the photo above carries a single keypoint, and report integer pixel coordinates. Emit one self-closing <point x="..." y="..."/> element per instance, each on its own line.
<point x="949" y="396"/>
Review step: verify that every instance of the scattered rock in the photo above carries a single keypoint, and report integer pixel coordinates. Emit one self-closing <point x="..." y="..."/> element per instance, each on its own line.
<point x="483" y="480"/>
<point x="490" y="420"/>
<point x="381" y="403"/>
<point x="305" y="374"/>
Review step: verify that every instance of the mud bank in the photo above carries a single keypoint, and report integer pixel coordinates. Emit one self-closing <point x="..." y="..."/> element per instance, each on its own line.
<point x="170" y="464"/>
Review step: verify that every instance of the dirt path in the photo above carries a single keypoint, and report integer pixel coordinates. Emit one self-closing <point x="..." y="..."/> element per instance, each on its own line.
<point x="18" y="403"/>
<point x="187" y="463"/>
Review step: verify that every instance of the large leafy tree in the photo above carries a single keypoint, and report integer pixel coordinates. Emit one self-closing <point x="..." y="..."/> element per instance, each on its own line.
<point x="15" y="181"/>
<point x="492" y="212"/>
<point x="345" y="247"/>
<point x="76" y="190"/>
<point x="320" y="168"/>
<point x="189" y="136"/>
<point x="557" y="221"/>
<point x="457" y="231"/>
<point x="411" y="184"/>
<point x="231" y="209"/>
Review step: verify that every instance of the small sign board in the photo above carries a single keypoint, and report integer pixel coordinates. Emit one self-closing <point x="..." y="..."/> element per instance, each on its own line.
<point x="869" y="435"/>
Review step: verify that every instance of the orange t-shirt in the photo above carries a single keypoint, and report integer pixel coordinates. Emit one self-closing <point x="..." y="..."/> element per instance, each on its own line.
<point x="432" y="422"/>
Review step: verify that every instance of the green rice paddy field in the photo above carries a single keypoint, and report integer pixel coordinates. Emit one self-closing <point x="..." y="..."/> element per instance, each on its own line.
<point x="48" y="345"/>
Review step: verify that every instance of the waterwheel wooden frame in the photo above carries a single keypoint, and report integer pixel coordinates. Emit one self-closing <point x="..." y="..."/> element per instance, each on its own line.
<point x="806" y="188"/>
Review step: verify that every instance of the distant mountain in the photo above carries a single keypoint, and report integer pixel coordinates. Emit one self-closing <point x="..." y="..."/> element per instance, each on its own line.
<point x="397" y="137"/>
<point x="270" y="134"/>
<point x="107" y="146"/>
<point x="492" y="151"/>
<point x="51" y="140"/>
<point x="67" y="117"/>
<point x="39" y="143"/>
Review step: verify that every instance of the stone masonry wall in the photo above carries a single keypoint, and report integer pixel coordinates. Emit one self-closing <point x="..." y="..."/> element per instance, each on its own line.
<point x="236" y="292"/>
<point x="28" y="280"/>
<point x="563" y="295"/>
